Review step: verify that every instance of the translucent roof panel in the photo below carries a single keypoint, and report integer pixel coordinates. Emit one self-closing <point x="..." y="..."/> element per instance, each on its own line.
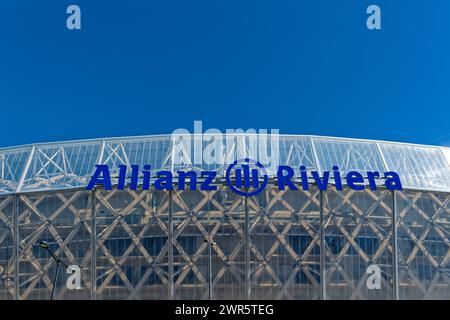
<point x="418" y="166"/>
<point x="297" y="151"/>
<point x="348" y="155"/>
<point x="446" y="153"/>
<point x="12" y="163"/>
<point x="142" y="151"/>
<point x="61" y="166"/>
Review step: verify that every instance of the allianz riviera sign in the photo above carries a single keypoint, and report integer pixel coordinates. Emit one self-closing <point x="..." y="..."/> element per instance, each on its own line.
<point x="243" y="162"/>
<point x="290" y="161"/>
<point x="245" y="177"/>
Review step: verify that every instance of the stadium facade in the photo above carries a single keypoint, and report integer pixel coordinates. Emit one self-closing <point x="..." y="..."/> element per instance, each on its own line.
<point x="182" y="244"/>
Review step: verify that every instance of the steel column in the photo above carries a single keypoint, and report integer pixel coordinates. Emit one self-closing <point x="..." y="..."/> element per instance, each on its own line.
<point x="323" y="287"/>
<point x="394" y="247"/>
<point x="93" y="247"/>
<point x="247" y="251"/>
<point x="170" y="248"/>
<point x="16" y="243"/>
<point x="210" y="268"/>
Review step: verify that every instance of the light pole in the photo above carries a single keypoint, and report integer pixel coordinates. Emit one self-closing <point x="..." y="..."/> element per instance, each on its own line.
<point x="210" y="244"/>
<point x="44" y="245"/>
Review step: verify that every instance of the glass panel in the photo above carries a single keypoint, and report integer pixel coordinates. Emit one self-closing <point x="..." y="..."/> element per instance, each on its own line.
<point x="12" y="163"/>
<point x="152" y="151"/>
<point x="297" y="151"/>
<point x="358" y="244"/>
<point x="61" y="166"/>
<point x="446" y="153"/>
<point x="418" y="167"/>
<point x="348" y="155"/>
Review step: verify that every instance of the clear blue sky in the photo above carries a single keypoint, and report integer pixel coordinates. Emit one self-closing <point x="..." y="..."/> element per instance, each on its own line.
<point x="150" y="66"/>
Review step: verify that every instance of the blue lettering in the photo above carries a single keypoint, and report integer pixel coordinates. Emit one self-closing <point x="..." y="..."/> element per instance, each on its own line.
<point x="337" y="178"/>
<point x="322" y="184"/>
<point x="304" y="178"/>
<point x="392" y="181"/>
<point x="284" y="180"/>
<point x="244" y="177"/>
<point x="122" y="177"/>
<point x="146" y="178"/>
<point x="354" y="177"/>
<point x="134" y="177"/>
<point x="103" y="170"/>
<point x="206" y="185"/>
<point x="371" y="175"/>
<point x="164" y="180"/>
<point x="192" y="175"/>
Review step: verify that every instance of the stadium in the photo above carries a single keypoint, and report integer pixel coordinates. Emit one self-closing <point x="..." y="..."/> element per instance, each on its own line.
<point x="183" y="244"/>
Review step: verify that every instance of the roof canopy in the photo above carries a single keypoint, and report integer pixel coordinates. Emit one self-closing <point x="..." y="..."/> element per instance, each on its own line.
<point x="52" y="166"/>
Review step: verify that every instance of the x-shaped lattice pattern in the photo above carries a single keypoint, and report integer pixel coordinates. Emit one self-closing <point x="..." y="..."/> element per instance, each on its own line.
<point x="424" y="227"/>
<point x="64" y="220"/>
<point x="136" y="271"/>
<point x="352" y="217"/>
<point x="113" y="212"/>
<point x="214" y="215"/>
<point x="278" y="217"/>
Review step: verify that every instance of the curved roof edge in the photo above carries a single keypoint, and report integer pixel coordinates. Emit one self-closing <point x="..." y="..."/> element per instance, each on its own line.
<point x="77" y="141"/>
<point x="69" y="164"/>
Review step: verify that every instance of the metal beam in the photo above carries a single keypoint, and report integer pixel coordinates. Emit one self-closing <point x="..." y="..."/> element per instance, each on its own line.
<point x="315" y="156"/>
<point x="394" y="247"/>
<point x="247" y="251"/>
<point x="25" y="170"/>
<point x="93" y="246"/>
<point x="323" y="288"/>
<point x="170" y="248"/>
<point x="16" y="242"/>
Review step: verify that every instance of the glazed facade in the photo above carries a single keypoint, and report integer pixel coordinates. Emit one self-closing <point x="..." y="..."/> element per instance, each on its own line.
<point x="215" y="244"/>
